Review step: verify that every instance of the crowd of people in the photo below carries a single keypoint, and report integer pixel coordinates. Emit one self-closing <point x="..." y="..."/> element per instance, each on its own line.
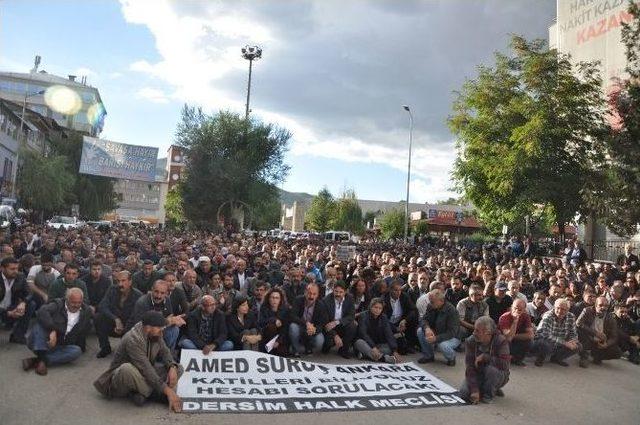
<point x="161" y="292"/>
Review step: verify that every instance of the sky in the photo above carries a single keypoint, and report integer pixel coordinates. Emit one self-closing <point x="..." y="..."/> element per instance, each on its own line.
<point x="334" y="73"/>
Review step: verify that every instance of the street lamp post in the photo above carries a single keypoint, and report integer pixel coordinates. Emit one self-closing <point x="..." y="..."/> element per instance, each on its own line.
<point x="406" y="205"/>
<point x="21" y="138"/>
<point x="250" y="53"/>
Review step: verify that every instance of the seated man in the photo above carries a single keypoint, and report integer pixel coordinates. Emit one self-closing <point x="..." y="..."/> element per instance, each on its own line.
<point x="628" y="339"/>
<point x="40" y="277"/>
<point x="15" y="310"/>
<point x="341" y="328"/>
<point x="471" y="309"/>
<point x="487" y="363"/>
<point x="191" y="290"/>
<point x="557" y="335"/>
<point x="517" y="329"/>
<point x="158" y="300"/>
<point x="537" y="307"/>
<point x="206" y="328"/>
<point x="143" y="365"/>
<point x="60" y="333"/>
<point x="439" y="329"/>
<point x="375" y="339"/>
<point x="402" y="315"/>
<point x="114" y="311"/>
<point x="598" y="333"/>
<point x="308" y="317"/>
<point x="68" y="280"/>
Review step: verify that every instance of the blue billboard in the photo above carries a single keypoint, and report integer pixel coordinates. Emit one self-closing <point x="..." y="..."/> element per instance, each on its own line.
<point x="118" y="160"/>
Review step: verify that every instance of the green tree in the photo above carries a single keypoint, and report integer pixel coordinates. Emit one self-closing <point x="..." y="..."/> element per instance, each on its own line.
<point x="174" y="208"/>
<point x="618" y="202"/>
<point x="392" y="224"/>
<point x="232" y="164"/>
<point x="348" y="214"/>
<point x="529" y="133"/>
<point x="420" y="228"/>
<point x="266" y="215"/>
<point x="322" y="212"/>
<point x="94" y="194"/>
<point x="44" y="182"/>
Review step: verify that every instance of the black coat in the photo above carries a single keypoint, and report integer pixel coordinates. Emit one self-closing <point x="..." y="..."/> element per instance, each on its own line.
<point x="409" y="310"/>
<point x="96" y="290"/>
<point x="144" y="304"/>
<point x="110" y="304"/>
<point x="376" y="331"/>
<point x="268" y="316"/>
<point x="53" y="317"/>
<point x="235" y="328"/>
<point x="444" y="322"/>
<point x="320" y="315"/>
<point x="19" y="290"/>
<point x="218" y="331"/>
<point x="348" y="309"/>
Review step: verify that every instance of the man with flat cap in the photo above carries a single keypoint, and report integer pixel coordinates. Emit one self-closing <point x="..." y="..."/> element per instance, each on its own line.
<point x="143" y="366"/>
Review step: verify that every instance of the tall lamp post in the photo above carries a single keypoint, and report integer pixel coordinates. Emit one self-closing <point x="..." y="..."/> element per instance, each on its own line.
<point x="406" y="205"/>
<point x="21" y="138"/>
<point x="250" y="53"/>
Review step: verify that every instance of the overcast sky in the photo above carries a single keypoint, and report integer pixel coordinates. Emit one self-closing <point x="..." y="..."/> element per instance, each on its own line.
<point x="335" y="73"/>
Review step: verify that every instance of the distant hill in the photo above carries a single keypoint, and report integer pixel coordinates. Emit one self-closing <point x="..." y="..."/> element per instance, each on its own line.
<point x="289" y="197"/>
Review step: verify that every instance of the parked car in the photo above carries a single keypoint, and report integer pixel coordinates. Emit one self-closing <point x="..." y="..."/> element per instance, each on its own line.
<point x="65" y="222"/>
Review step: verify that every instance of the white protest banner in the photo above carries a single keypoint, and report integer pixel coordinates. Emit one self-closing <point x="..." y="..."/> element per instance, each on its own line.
<point x="345" y="252"/>
<point x="252" y="382"/>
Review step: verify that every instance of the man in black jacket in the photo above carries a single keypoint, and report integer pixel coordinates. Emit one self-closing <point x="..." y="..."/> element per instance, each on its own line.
<point x="15" y="311"/>
<point x="207" y="328"/>
<point x="59" y="335"/>
<point x="114" y="311"/>
<point x="308" y="317"/>
<point x="341" y="329"/>
<point x="439" y="328"/>
<point x="97" y="284"/>
<point x="402" y="315"/>
<point x="143" y="280"/>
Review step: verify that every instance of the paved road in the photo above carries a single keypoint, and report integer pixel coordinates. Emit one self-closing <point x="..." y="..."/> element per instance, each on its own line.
<point x="548" y="395"/>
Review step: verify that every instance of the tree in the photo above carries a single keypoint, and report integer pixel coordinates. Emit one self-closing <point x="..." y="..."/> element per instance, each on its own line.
<point x="529" y="134"/>
<point x="392" y="224"/>
<point x="94" y="194"/>
<point x="267" y="214"/>
<point x="174" y="208"/>
<point x="321" y="213"/>
<point x="233" y="164"/>
<point x="348" y="214"/>
<point x="43" y="182"/>
<point x="618" y="201"/>
<point x="421" y="228"/>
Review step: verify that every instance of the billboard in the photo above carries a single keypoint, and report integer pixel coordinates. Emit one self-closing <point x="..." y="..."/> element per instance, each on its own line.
<point x="118" y="160"/>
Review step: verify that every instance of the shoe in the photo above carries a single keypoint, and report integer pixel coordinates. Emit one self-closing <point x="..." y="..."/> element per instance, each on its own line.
<point x="499" y="392"/>
<point x="411" y="351"/>
<point x="425" y="359"/>
<point x="344" y="354"/>
<point x="104" y="352"/>
<point x="539" y="361"/>
<point x="459" y="348"/>
<point x="486" y="400"/>
<point x="390" y="359"/>
<point x="634" y="360"/>
<point x="326" y="349"/>
<point x="17" y="339"/>
<point x="584" y="363"/>
<point x="29" y="363"/>
<point x="597" y="361"/>
<point x="41" y="368"/>
<point x="560" y="362"/>
<point x="518" y="363"/>
<point x="308" y="352"/>
<point x="451" y="362"/>
<point x="138" y="399"/>
<point x="359" y="355"/>
<point x="296" y="355"/>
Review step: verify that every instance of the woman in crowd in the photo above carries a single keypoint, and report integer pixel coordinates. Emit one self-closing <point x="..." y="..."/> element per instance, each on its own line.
<point x="242" y="326"/>
<point x="361" y="297"/>
<point x="375" y="338"/>
<point x="274" y="322"/>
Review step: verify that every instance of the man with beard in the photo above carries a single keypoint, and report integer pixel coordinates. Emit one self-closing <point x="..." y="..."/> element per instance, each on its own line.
<point x="294" y="288"/>
<point x="331" y="279"/>
<point x="143" y="279"/>
<point x="114" y="311"/>
<point x="15" y="309"/>
<point x="341" y="329"/>
<point x="143" y="365"/>
<point x="537" y="307"/>
<point x="158" y="300"/>
<point x="68" y="280"/>
<point x="97" y="284"/>
<point x="308" y="317"/>
<point x="40" y="277"/>
<point x="598" y="333"/>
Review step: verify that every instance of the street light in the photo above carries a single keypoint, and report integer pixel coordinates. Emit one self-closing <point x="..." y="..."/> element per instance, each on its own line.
<point x="406" y="205"/>
<point x="21" y="136"/>
<point x="250" y="53"/>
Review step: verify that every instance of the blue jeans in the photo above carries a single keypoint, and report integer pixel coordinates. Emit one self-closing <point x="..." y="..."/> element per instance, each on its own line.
<point x="187" y="344"/>
<point x="170" y="336"/>
<point x="60" y="354"/>
<point x="301" y="341"/>
<point x="447" y="347"/>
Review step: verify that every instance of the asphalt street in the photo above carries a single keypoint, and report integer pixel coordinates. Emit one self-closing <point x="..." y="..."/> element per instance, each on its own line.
<point x="548" y="395"/>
